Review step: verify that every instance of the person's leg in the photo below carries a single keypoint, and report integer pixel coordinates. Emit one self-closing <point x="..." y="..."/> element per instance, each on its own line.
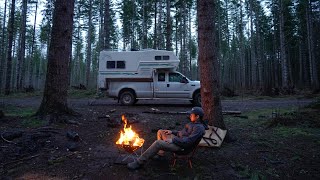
<point x="161" y="135"/>
<point x="155" y="148"/>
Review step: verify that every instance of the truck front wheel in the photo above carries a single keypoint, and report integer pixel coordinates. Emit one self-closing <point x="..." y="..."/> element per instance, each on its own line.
<point x="197" y="99"/>
<point x="127" y="98"/>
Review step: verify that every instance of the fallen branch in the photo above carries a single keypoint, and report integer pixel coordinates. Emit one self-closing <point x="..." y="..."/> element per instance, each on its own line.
<point x="170" y="112"/>
<point x="231" y="112"/>
<point x="7" y="140"/>
<point x="164" y="112"/>
<point x="240" y="116"/>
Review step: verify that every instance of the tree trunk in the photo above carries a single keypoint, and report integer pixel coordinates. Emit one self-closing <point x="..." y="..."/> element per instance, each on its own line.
<point x="253" y="50"/>
<point x="144" y="27"/>
<point x="155" y="45"/>
<point x="160" y="31"/>
<point x="9" y="53"/>
<point x="32" y="48"/>
<point x="189" y="44"/>
<point x="312" y="65"/>
<point x="2" y="52"/>
<point x="210" y="79"/>
<point x="56" y="87"/>
<point x="101" y="26"/>
<point x="242" y="49"/>
<point x="107" y="23"/>
<point x="259" y="60"/>
<point x="22" y="44"/>
<point x="88" y="60"/>
<point x="169" y="27"/>
<point x="77" y="68"/>
<point x="284" y="63"/>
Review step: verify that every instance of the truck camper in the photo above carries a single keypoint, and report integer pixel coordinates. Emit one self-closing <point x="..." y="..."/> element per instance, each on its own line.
<point x="147" y="74"/>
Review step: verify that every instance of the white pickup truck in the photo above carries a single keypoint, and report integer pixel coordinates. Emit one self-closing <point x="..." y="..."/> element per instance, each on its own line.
<point x="149" y="74"/>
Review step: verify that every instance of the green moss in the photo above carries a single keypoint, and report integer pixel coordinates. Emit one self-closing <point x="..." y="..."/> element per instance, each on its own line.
<point x="267" y="113"/>
<point x="291" y="132"/>
<point x="33" y="122"/>
<point x="315" y="105"/>
<point x="74" y="93"/>
<point x="21" y="95"/>
<point x="10" y="110"/>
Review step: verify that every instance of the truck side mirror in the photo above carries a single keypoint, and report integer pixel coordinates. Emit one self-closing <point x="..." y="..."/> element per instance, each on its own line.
<point x="184" y="80"/>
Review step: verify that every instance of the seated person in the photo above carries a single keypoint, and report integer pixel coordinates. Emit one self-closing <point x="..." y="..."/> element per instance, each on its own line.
<point x="172" y="141"/>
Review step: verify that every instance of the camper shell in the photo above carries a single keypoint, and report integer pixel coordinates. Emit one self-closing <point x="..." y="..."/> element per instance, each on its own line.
<point x="148" y="74"/>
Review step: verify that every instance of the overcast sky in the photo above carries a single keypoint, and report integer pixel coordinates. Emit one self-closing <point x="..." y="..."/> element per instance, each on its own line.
<point x="18" y="8"/>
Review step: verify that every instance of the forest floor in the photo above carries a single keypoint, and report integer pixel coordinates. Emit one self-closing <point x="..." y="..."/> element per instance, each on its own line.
<point x="275" y="138"/>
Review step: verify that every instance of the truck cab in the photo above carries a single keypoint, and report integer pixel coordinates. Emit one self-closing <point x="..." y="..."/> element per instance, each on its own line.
<point x="130" y="76"/>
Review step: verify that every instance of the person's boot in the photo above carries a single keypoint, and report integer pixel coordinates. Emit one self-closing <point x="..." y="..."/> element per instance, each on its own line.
<point x="134" y="165"/>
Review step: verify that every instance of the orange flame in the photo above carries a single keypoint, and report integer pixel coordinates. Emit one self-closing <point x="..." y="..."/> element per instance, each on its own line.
<point x="128" y="136"/>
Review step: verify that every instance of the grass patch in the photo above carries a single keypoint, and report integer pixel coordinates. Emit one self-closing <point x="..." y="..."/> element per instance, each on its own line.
<point x="33" y="122"/>
<point x="247" y="172"/>
<point x="315" y="105"/>
<point x="25" y="114"/>
<point x="267" y="113"/>
<point x="75" y="93"/>
<point x="10" y="110"/>
<point x="286" y="132"/>
<point x="305" y="118"/>
<point x="14" y="95"/>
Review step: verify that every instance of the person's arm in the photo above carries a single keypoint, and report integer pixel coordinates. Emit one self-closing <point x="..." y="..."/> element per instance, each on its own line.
<point x="186" y="141"/>
<point x="174" y="132"/>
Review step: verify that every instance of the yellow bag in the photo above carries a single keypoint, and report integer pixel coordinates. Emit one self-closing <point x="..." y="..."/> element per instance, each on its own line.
<point x="213" y="137"/>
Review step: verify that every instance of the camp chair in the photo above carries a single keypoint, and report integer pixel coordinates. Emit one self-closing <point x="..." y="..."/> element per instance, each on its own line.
<point x="186" y="154"/>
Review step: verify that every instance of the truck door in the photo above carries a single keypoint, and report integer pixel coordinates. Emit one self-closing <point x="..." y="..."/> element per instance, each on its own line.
<point x="160" y="90"/>
<point x="176" y="87"/>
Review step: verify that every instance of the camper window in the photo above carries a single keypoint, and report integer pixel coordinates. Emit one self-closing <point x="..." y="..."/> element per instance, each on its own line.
<point x="162" y="57"/>
<point x="161" y="77"/>
<point x="157" y="57"/>
<point x="165" y="57"/>
<point x="111" y="64"/>
<point x="121" y="65"/>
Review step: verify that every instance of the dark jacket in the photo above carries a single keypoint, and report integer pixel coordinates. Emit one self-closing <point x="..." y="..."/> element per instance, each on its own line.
<point x="189" y="134"/>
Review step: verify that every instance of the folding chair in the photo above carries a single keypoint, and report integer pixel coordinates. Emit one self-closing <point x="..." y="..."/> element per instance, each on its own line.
<point x="186" y="154"/>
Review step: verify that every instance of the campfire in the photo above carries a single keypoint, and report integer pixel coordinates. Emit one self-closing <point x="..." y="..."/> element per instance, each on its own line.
<point x="129" y="140"/>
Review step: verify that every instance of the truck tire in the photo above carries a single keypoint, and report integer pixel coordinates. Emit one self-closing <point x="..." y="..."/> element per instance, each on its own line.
<point x="127" y="98"/>
<point x="197" y="99"/>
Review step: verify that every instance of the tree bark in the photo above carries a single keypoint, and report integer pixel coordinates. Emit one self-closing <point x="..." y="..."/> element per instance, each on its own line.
<point x="284" y="63"/>
<point x="155" y="45"/>
<point x="56" y="87"/>
<point x="144" y="26"/>
<point x="106" y="25"/>
<point x="88" y="59"/>
<point x="9" y="54"/>
<point x="253" y="50"/>
<point x="2" y="54"/>
<point x="210" y="73"/>
<point x="169" y="27"/>
<point x="22" y="44"/>
<point x="312" y="65"/>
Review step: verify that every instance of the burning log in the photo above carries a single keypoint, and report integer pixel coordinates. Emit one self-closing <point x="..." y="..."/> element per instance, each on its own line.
<point x="129" y="140"/>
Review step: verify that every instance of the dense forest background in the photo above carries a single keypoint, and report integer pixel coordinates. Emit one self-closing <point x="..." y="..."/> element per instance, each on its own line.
<point x="265" y="46"/>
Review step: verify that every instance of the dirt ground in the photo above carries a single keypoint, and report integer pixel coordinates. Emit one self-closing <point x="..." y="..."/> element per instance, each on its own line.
<point x="258" y="152"/>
